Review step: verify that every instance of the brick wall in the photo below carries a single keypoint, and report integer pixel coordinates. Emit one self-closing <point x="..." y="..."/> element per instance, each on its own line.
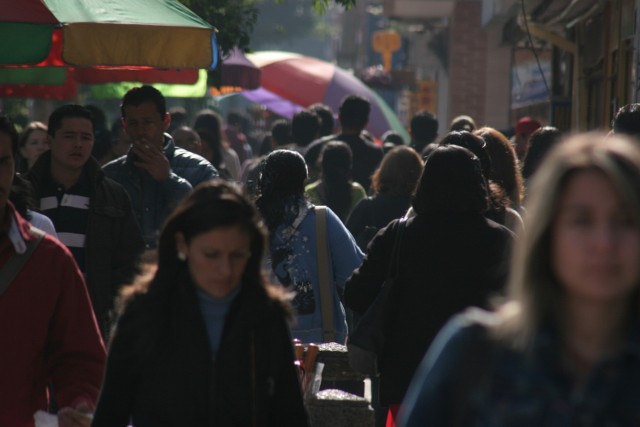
<point x="468" y="62"/>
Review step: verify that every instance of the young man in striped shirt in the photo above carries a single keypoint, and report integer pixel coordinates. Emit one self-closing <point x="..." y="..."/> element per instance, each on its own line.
<point x="92" y="214"/>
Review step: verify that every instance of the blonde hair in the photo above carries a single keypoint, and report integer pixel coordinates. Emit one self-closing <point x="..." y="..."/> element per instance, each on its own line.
<point x="533" y="293"/>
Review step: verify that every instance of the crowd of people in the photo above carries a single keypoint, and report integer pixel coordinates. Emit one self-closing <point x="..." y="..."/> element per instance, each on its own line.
<point x="156" y="273"/>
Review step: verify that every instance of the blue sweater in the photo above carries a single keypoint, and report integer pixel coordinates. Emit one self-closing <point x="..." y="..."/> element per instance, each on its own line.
<point x="214" y="312"/>
<point x="295" y="264"/>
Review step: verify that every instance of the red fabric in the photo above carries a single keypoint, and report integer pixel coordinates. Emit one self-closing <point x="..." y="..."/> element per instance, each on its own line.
<point x="392" y="414"/>
<point x="98" y="75"/>
<point x="31" y="11"/>
<point x="48" y="333"/>
<point x="302" y="81"/>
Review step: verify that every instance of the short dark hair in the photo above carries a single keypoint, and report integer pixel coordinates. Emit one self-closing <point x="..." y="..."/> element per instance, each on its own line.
<point x="208" y="120"/>
<point x="463" y="122"/>
<point x="68" y="111"/>
<point x="7" y="126"/>
<point x="392" y="137"/>
<point x="451" y="181"/>
<point x="327" y="123"/>
<point x="304" y="127"/>
<point x="424" y="127"/>
<point x="354" y="112"/>
<point x="541" y="142"/>
<point x="473" y="143"/>
<point x="281" y="132"/>
<point x="141" y="94"/>
<point x="627" y="120"/>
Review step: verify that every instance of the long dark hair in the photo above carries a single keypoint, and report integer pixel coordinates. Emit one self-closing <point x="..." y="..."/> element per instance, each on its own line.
<point x="210" y="205"/>
<point x="451" y="182"/>
<point x="336" y="161"/>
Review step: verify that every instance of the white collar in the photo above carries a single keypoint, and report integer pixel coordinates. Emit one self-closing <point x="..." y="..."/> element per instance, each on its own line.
<point x="15" y="236"/>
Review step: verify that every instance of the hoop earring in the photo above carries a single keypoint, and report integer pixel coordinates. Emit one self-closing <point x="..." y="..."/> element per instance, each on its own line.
<point x="182" y="256"/>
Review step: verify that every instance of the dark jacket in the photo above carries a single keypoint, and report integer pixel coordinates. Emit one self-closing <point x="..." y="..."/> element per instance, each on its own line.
<point x="448" y="262"/>
<point x="373" y="213"/>
<point x="113" y="239"/>
<point x="171" y="378"/>
<point x="470" y="378"/>
<point x="366" y="156"/>
<point x="153" y="201"/>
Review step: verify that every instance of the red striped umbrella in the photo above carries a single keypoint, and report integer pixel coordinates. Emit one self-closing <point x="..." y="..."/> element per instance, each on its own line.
<point x="304" y="80"/>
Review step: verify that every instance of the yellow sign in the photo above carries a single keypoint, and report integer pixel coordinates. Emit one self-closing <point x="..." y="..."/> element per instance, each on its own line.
<point x="426" y="96"/>
<point x="386" y="42"/>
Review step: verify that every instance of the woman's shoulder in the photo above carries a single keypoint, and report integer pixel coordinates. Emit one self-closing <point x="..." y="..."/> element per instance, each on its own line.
<point x="469" y="333"/>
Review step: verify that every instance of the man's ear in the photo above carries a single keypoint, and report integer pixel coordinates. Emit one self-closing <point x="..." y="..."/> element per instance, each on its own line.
<point x="166" y="120"/>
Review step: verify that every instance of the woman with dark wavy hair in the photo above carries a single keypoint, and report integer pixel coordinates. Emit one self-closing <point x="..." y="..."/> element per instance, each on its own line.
<point x="205" y="341"/>
<point x="505" y="168"/>
<point x="450" y="257"/>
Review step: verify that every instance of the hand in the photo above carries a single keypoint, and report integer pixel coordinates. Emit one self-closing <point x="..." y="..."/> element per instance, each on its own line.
<point x="81" y="416"/>
<point x="152" y="159"/>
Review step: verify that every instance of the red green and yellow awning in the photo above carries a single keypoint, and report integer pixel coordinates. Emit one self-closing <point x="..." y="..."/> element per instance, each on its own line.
<point x="117" y="33"/>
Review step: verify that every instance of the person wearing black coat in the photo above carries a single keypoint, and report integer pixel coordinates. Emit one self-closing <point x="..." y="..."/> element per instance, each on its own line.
<point x="393" y="183"/>
<point x="451" y="257"/>
<point x="205" y="342"/>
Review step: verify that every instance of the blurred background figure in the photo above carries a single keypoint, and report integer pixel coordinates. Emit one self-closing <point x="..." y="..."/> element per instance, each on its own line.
<point x="391" y="139"/>
<point x="540" y="144"/>
<point x="393" y="183"/>
<point x="627" y="121"/>
<point x="187" y="138"/>
<point x="215" y="147"/>
<point x="170" y="335"/>
<point x="179" y="118"/>
<point x="101" y="150"/>
<point x="570" y="325"/>
<point x="524" y="128"/>
<point x="461" y="123"/>
<point x="305" y="128"/>
<point x="281" y="135"/>
<point x="236" y="138"/>
<point x="335" y="188"/>
<point x="505" y="169"/>
<point x="34" y="141"/>
<point x="423" y="129"/>
<point x="120" y="141"/>
<point x="327" y="122"/>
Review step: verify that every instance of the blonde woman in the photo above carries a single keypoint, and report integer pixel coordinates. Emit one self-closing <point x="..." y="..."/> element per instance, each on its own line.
<point x="564" y="349"/>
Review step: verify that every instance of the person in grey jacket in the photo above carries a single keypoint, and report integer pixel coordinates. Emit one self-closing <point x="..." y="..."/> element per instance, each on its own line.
<point x="155" y="173"/>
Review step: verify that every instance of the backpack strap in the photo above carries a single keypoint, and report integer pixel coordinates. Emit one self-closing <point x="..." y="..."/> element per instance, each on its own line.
<point x="12" y="267"/>
<point x="326" y="300"/>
